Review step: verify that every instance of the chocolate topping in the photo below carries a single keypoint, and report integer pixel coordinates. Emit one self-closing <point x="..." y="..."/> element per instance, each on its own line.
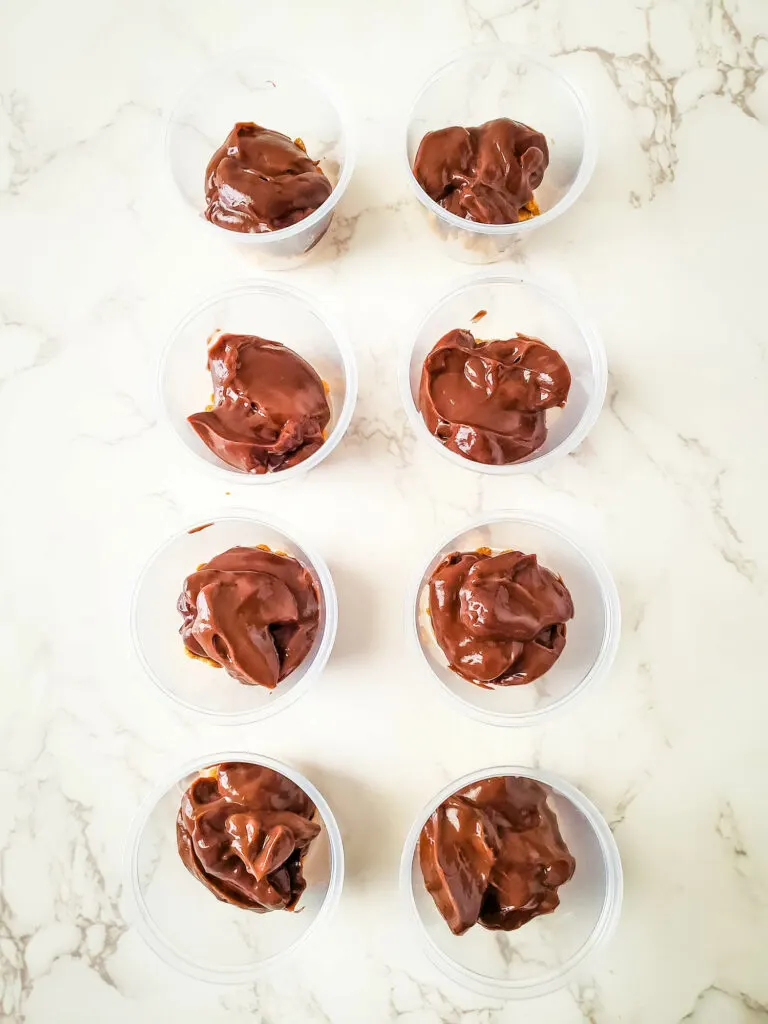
<point x="251" y="611"/>
<point x="270" y="406"/>
<point x="260" y="180"/>
<point x="485" y="174"/>
<point x="487" y="400"/>
<point x="493" y="853"/>
<point x="243" y="831"/>
<point x="499" y="619"/>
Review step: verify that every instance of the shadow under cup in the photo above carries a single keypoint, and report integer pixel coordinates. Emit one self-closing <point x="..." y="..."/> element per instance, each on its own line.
<point x="194" y="683"/>
<point x="187" y="925"/>
<point x="538" y="957"/>
<point x="592" y="634"/>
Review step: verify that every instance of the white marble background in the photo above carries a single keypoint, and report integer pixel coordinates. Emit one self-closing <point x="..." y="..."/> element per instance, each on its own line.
<point x="97" y="263"/>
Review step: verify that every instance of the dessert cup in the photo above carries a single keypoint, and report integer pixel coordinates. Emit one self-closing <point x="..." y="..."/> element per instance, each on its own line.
<point x="541" y="956"/>
<point x="512" y="305"/>
<point x="276" y="94"/>
<point x="185" y="924"/>
<point x="155" y="621"/>
<point x="484" y="83"/>
<point x="592" y="634"/>
<point x="277" y="312"/>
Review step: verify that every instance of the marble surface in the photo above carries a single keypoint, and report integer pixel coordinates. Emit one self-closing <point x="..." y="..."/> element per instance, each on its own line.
<point x="665" y="248"/>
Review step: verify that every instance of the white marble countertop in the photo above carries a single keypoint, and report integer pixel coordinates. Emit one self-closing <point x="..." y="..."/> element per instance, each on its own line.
<point x="666" y="250"/>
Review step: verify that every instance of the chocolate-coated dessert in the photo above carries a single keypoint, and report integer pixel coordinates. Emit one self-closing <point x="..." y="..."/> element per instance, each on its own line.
<point x="270" y="407"/>
<point x="487" y="400"/>
<point x="485" y="174"/>
<point x="499" y="619"/>
<point x="243" y="830"/>
<point x="259" y="180"/>
<point x="251" y="611"/>
<point x="492" y="853"/>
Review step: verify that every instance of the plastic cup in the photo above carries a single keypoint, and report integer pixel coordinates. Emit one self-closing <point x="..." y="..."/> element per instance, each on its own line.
<point x="185" y="924"/>
<point x="514" y="304"/>
<point x="542" y="955"/>
<point x="274" y="311"/>
<point x="493" y="81"/>
<point x="155" y="622"/>
<point x="592" y="634"/>
<point x="278" y="95"/>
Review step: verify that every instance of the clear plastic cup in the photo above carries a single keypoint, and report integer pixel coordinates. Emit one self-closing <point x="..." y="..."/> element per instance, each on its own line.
<point x="185" y="924"/>
<point x="278" y="312"/>
<point x="592" y="634"/>
<point x="514" y="304"/>
<point x="542" y="955"/>
<point x="277" y="94"/>
<point x="492" y="81"/>
<point x="155" y="622"/>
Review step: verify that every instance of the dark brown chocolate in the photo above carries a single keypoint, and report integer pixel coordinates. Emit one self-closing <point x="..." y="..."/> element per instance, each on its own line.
<point x="243" y="831"/>
<point x="270" y="407"/>
<point x="492" y="853"/>
<point x="259" y="180"/>
<point x="499" y="619"/>
<point x="251" y="611"/>
<point x="485" y="174"/>
<point x="487" y="400"/>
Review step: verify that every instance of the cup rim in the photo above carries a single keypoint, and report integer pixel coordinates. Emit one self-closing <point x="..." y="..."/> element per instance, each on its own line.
<point x="149" y="931"/>
<point x="317" y="81"/>
<point x="604" y="926"/>
<point x="291" y="292"/>
<point x="583" y="175"/>
<point x="314" y="670"/>
<point x="611" y="606"/>
<point x="598" y="363"/>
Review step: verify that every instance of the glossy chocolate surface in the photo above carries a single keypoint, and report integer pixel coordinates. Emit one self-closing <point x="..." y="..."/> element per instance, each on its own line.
<point x="243" y="831"/>
<point x="492" y="854"/>
<point x="485" y="174"/>
<point x="487" y="400"/>
<point x="270" y="407"/>
<point x="251" y="611"/>
<point x="499" y="619"/>
<point x="259" y="180"/>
